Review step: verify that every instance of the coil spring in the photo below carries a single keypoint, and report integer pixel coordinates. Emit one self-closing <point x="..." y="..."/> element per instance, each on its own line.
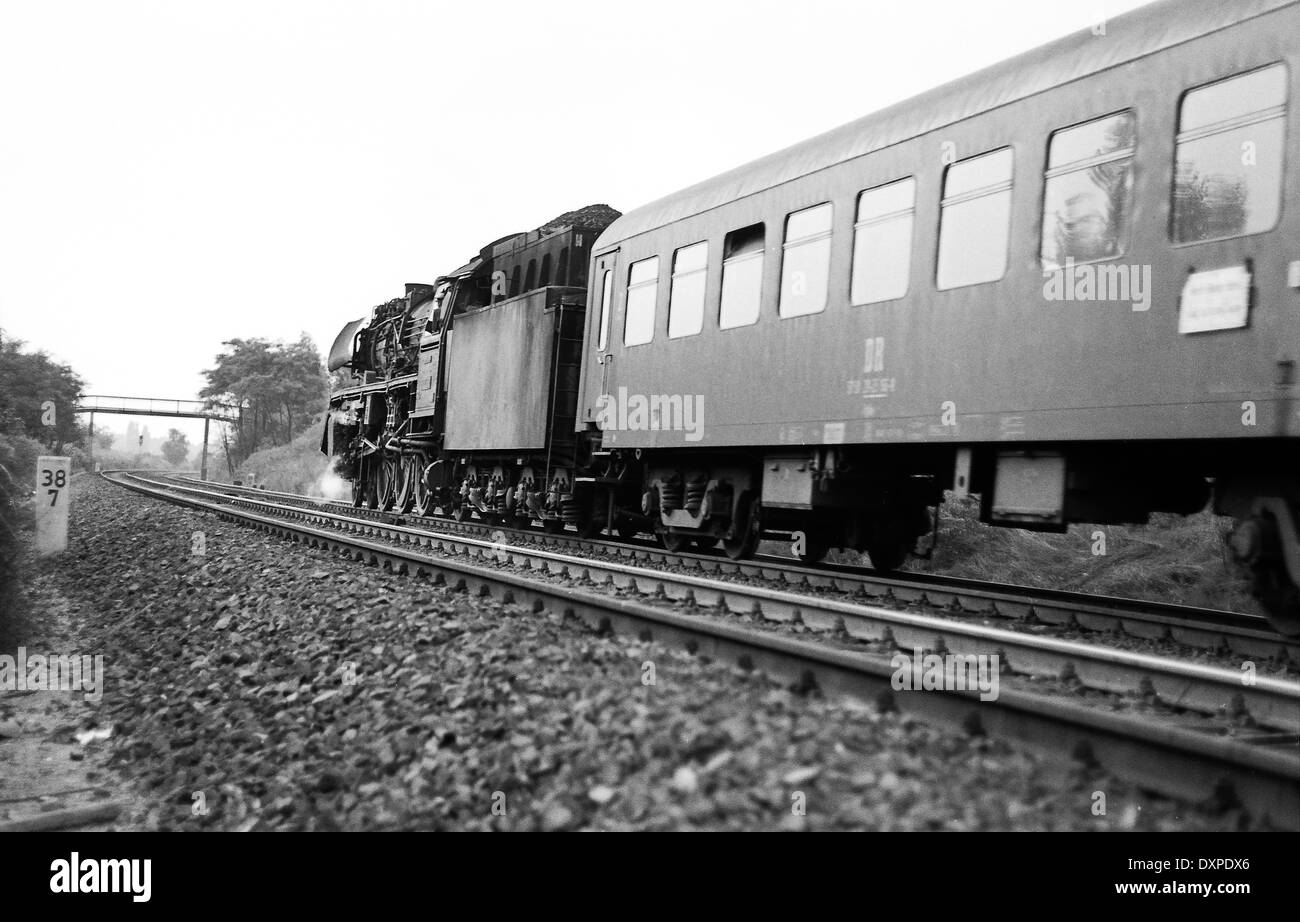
<point x="571" y="511"/>
<point x="695" y="491"/>
<point x="670" y="496"/>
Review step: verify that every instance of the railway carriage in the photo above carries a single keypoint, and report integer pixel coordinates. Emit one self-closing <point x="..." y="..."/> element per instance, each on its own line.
<point x="1069" y="283"/>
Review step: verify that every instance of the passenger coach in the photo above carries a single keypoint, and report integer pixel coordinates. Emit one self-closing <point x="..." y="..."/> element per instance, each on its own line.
<point x="1069" y="283"/>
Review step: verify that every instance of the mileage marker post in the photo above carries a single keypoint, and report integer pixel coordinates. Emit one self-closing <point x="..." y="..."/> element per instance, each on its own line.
<point x="52" y="474"/>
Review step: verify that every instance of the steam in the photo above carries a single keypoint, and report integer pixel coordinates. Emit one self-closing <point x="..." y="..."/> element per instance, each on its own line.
<point x="331" y="486"/>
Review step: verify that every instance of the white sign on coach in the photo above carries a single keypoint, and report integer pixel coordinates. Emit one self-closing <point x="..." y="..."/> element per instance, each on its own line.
<point x="52" y="493"/>
<point x="1217" y="299"/>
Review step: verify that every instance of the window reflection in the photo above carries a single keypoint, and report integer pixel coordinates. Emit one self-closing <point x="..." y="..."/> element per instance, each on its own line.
<point x="1087" y="195"/>
<point x="1228" y="170"/>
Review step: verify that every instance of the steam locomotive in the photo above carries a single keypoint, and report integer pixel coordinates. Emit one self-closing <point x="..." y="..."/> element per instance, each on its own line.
<point x="1068" y="284"/>
<point x="463" y="392"/>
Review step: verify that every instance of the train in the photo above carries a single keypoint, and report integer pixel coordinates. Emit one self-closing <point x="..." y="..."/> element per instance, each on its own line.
<point x="1067" y="285"/>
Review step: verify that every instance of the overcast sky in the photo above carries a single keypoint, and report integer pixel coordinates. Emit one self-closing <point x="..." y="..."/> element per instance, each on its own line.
<point x="176" y="174"/>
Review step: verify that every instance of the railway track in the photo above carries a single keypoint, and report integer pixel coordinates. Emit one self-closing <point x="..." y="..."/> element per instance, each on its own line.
<point x="1240" y="743"/>
<point x="1240" y="634"/>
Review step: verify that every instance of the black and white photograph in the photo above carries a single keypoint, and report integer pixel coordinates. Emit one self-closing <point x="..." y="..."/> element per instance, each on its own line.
<point x="690" y="415"/>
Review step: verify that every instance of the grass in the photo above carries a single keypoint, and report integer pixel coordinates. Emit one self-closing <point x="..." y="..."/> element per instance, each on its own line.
<point x="297" y="467"/>
<point x="1180" y="559"/>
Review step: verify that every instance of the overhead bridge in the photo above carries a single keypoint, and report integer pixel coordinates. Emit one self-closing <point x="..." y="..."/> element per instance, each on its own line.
<point x="206" y="410"/>
<point x="152" y="406"/>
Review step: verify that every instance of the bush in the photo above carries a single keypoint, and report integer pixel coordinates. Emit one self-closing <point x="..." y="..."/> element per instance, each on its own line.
<point x="298" y="467"/>
<point x="18" y="456"/>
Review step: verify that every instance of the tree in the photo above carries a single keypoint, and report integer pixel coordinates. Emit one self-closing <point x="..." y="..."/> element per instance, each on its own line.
<point x="176" y="448"/>
<point x="104" y="439"/>
<point x="281" y="387"/>
<point x="35" y="391"/>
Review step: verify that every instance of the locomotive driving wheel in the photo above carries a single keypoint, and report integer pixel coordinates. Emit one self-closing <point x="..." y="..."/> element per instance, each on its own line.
<point x="406" y="471"/>
<point x="422" y="495"/>
<point x="385" y="483"/>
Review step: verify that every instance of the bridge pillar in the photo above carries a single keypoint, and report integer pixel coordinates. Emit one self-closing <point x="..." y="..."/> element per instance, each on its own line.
<point x="203" y="471"/>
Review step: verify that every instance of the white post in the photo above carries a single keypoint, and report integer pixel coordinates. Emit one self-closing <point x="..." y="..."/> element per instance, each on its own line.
<point x="52" y="492"/>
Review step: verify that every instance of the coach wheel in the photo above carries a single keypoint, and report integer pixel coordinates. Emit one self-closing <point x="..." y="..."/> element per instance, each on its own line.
<point x="1281" y="601"/>
<point x="889" y="551"/>
<point x="386" y="483"/>
<point x="626" y="530"/>
<point x="812" y="548"/>
<point x="594" y="511"/>
<point x="407" y="471"/>
<point x="673" y="542"/>
<point x="1256" y="542"/>
<point x="553" y="526"/>
<point x="423" y="496"/>
<point x="460" y="511"/>
<point x="1272" y="586"/>
<point x="748" y="527"/>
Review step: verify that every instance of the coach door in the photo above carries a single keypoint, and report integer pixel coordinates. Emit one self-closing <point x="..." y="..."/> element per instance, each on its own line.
<point x="603" y="284"/>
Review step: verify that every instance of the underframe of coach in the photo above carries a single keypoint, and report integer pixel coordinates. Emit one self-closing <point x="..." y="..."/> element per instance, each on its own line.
<point x="815" y="499"/>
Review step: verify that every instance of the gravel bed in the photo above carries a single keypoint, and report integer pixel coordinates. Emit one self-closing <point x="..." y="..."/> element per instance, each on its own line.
<point x="1146" y="706"/>
<point x="1279" y="666"/>
<point x="229" y="682"/>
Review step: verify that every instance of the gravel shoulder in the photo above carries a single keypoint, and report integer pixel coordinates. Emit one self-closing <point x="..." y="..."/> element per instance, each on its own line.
<point x="55" y="752"/>
<point x="266" y="685"/>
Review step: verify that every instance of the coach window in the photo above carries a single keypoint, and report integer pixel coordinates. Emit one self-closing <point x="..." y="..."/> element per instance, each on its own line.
<point x="1087" y="190"/>
<point x="642" y="292"/>
<point x="545" y="278"/>
<point x="686" y="297"/>
<point x="606" y="293"/>
<point x="975" y="220"/>
<point x="806" y="261"/>
<point x="882" y="242"/>
<point x="1228" y="164"/>
<point x="514" y="281"/>
<point x="562" y="268"/>
<point x="742" y="277"/>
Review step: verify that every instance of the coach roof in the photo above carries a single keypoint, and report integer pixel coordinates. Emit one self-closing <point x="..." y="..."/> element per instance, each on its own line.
<point x="1144" y="31"/>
